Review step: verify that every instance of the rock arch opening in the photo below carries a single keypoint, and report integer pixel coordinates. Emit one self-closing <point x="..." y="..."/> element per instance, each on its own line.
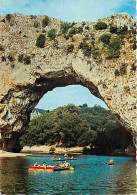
<point x="75" y="123"/>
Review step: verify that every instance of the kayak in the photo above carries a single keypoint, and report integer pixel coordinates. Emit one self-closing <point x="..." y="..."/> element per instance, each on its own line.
<point x="63" y="168"/>
<point x="110" y="163"/>
<point x="48" y="167"/>
<point x="64" y="159"/>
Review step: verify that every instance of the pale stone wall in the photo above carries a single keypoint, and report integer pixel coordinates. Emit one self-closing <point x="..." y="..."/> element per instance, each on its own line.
<point x="23" y="85"/>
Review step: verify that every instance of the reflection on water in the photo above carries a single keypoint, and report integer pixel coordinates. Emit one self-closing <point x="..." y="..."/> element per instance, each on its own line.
<point x="126" y="182"/>
<point x="91" y="176"/>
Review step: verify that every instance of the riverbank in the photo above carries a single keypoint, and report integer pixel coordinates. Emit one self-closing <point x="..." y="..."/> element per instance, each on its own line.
<point x="4" y="154"/>
<point x="43" y="149"/>
<point x="52" y="149"/>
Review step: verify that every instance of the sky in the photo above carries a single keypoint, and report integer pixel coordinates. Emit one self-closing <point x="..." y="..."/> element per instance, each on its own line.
<point x="69" y="10"/>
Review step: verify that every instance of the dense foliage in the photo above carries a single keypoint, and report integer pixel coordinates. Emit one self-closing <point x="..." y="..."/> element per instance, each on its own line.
<point x="78" y="125"/>
<point x="100" y="26"/>
<point x="52" y="34"/>
<point x="114" y="48"/>
<point x="105" y="38"/>
<point x="65" y="26"/>
<point x="40" y="41"/>
<point x="70" y="48"/>
<point x="86" y="48"/>
<point x="45" y="21"/>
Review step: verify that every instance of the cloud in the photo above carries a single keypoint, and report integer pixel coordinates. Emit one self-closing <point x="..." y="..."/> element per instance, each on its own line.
<point x="68" y="10"/>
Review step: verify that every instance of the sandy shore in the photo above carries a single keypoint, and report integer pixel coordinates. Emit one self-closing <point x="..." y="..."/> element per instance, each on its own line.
<point x="4" y="154"/>
<point x="47" y="149"/>
<point x="43" y="150"/>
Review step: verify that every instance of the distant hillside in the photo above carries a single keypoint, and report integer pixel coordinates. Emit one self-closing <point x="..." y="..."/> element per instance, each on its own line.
<point x="38" y="110"/>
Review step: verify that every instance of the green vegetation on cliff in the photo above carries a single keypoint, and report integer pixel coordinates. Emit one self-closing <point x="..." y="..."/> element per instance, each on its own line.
<point x="78" y="125"/>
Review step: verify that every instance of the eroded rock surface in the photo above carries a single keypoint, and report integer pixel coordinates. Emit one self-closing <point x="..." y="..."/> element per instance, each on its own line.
<point x="77" y="56"/>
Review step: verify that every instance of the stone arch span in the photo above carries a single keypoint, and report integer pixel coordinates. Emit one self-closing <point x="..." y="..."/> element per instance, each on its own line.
<point x="27" y="72"/>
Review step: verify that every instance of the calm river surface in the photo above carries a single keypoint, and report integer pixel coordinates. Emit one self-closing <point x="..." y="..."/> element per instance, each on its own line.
<point x="91" y="176"/>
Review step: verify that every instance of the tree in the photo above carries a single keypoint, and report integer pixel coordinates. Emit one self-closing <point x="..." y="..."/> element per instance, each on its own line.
<point x="88" y="138"/>
<point x="72" y="125"/>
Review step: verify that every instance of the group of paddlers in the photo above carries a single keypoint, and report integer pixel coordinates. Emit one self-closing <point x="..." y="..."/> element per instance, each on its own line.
<point x="37" y="165"/>
<point x="65" y="164"/>
<point x="65" y="155"/>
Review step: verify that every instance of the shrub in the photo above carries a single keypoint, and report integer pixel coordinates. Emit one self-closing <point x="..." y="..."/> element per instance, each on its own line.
<point x="8" y="17"/>
<point x="105" y="38"/>
<point x="96" y="55"/>
<point x="1" y="48"/>
<point x="100" y="26"/>
<point x="40" y="41"/>
<point x="10" y="58"/>
<point x="20" y="58"/>
<point x="114" y="48"/>
<point x="134" y="45"/>
<point x="55" y="44"/>
<point x="64" y="27"/>
<point x="12" y="65"/>
<point x="70" y="48"/>
<point x="104" y="86"/>
<point x="133" y="30"/>
<point x="86" y="37"/>
<point x="73" y="23"/>
<point x="79" y="29"/>
<point x="123" y="69"/>
<point x="33" y="17"/>
<point x="83" y="23"/>
<point x="86" y="48"/>
<point x="72" y="31"/>
<point x="117" y="73"/>
<point x="122" y="30"/>
<point x="51" y="34"/>
<point x="3" y="58"/>
<point x="133" y="67"/>
<point x="66" y="37"/>
<point x="126" y="89"/>
<point x="3" y="20"/>
<point x="27" y="60"/>
<point x="93" y="43"/>
<point x="45" y="21"/>
<point x="113" y="29"/>
<point x="36" y="24"/>
<point x="87" y="27"/>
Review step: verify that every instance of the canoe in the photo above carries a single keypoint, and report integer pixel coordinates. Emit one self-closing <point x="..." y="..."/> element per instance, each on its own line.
<point x="64" y="169"/>
<point x="66" y="159"/>
<point x="49" y="167"/>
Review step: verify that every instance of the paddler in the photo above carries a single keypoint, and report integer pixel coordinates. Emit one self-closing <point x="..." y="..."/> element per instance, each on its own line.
<point x="36" y="164"/>
<point x="44" y="164"/>
<point x="111" y="160"/>
<point x="65" y="155"/>
<point x="66" y="164"/>
<point x="54" y="157"/>
<point x="61" y="164"/>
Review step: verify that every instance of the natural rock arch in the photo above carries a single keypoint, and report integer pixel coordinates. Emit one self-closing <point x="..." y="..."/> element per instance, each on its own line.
<point x="78" y="56"/>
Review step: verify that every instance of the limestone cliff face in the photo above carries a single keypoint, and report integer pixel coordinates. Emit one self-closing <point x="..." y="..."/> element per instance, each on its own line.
<point x="75" y="54"/>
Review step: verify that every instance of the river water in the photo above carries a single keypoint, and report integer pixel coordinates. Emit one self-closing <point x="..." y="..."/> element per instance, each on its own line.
<point x="91" y="176"/>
